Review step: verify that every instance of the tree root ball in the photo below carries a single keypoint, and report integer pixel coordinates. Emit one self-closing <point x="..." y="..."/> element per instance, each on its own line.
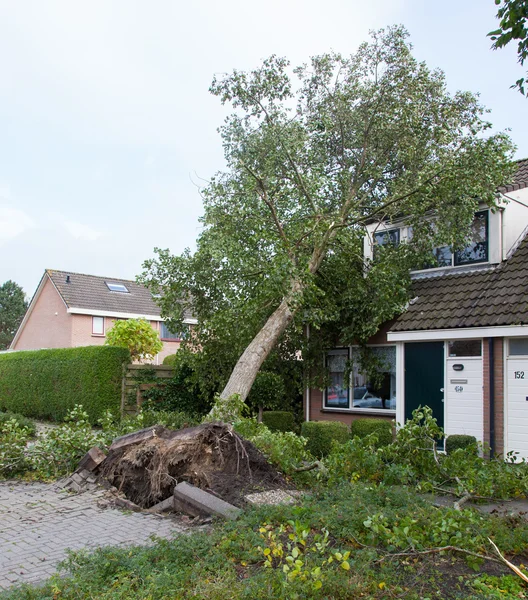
<point x="211" y="456"/>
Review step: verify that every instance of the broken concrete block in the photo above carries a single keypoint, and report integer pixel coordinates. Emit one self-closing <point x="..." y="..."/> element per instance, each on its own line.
<point x="195" y="501"/>
<point x="135" y="437"/>
<point x="272" y="497"/>
<point x="92" y="459"/>
<point x="166" y="505"/>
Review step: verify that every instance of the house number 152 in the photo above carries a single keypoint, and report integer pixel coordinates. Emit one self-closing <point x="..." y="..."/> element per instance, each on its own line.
<point x="518" y="374"/>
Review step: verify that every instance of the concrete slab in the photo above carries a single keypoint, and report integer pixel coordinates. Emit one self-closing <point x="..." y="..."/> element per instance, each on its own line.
<point x="196" y="502"/>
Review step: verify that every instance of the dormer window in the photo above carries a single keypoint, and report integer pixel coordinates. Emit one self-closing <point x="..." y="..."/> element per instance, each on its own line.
<point x="477" y="251"/>
<point x="117" y="287"/>
<point x="387" y="237"/>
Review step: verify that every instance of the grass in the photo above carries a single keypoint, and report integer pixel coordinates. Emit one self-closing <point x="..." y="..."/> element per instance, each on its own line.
<point x="370" y="522"/>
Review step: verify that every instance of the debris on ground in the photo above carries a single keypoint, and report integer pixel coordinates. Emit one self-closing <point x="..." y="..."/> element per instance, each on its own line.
<point x="203" y="470"/>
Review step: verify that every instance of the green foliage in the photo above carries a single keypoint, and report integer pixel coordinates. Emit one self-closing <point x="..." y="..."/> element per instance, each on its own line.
<point x="13" y="306"/>
<point x="182" y="392"/>
<point x="169" y="418"/>
<point x="230" y="410"/>
<point x="170" y="360"/>
<point x="413" y="459"/>
<point x="268" y="392"/>
<point x="59" y="450"/>
<point x="20" y="419"/>
<point x="13" y="441"/>
<point x="460" y="441"/>
<point x="228" y="561"/>
<point x="364" y="427"/>
<point x="322" y="434"/>
<point x="47" y="384"/>
<point x="137" y="336"/>
<point x="279" y="420"/>
<point x="284" y="449"/>
<point x="513" y="16"/>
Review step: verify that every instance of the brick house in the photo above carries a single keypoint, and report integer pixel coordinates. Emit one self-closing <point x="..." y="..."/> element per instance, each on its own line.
<point x="461" y="346"/>
<point x="71" y="309"/>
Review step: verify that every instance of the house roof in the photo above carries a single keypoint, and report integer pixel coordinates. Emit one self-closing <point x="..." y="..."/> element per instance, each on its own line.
<point x="520" y="179"/>
<point x="90" y="293"/>
<point x="488" y="298"/>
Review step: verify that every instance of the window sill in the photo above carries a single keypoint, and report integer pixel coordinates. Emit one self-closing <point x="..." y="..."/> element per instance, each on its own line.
<point x="101" y="335"/>
<point x="360" y="411"/>
<point x="171" y="339"/>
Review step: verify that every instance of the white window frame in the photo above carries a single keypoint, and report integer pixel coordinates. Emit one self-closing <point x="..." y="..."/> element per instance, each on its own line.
<point x="98" y="333"/>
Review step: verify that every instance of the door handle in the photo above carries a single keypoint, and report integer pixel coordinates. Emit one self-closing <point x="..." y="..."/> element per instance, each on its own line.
<point x="442" y="390"/>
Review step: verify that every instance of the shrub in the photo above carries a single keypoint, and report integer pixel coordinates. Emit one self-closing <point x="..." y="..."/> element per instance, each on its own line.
<point x="171" y="419"/>
<point x="268" y="392"/>
<point x="363" y="427"/>
<point x="137" y="336"/>
<point x="20" y="419"/>
<point x="170" y="360"/>
<point x="47" y="384"/>
<point x="279" y="420"/>
<point x="460" y="441"/>
<point x="13" y="442"/>
<point x="284" y="449"/>
<point x="321" y="435"/>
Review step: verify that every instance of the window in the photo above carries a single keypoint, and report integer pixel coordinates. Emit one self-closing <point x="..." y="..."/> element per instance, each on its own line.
<point x="97" y="325"/>
<point x="389" y="236"/>
<point x="166" y="334"/>
<point x="117" y="287"/>
<point x="337" y="393"/>
<point x="377" y="390"/>
<point x="466" y="348"/>
<point x="374" y="392"/>
<point x="477" y="250"/>
<point x="518" y="346"/>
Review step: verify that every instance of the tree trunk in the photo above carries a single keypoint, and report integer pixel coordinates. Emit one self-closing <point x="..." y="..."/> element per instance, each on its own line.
<point x="255" y="354"/>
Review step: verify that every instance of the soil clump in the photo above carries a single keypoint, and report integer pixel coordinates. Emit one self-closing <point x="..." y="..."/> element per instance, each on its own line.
<point x="211" y="456"/>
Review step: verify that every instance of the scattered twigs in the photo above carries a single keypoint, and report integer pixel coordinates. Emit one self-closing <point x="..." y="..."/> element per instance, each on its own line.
<point x="466" y="494"/>
<point x="315" y="465"/>
<point x="438" y="550"/>
<point x="515" y="569"/>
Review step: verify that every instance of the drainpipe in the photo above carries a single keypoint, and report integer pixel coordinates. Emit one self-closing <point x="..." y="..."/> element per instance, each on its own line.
<point x="491" y="366"/>
<point x="307" y="412"/>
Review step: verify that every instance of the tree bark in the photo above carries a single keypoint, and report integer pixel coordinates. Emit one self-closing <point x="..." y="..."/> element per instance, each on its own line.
<point x="248" y="365"/>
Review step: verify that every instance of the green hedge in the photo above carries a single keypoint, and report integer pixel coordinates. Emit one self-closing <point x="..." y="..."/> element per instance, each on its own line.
<point x="460" y="441"/>
<point x="321" y="434"/>
<point x="363" y="427"/>
<point x="46" y="384"/>
<point x="279" y="420"/>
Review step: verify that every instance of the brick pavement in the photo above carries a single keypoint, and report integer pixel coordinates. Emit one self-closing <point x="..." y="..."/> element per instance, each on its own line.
<point x="39" y="522"/>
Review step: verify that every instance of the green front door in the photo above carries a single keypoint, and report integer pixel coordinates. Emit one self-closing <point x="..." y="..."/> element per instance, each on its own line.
<point x="424" y="378"/>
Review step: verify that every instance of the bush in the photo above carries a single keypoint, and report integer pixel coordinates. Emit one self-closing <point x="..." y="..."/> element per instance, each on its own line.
<point x="170" y="360"/>
<point x="279" y="420"/>
<point x="267" y="393"/>
<point x="20" y="419"/>
<point x="363" y="427"/>
<point x="321" y="435"/>
<point x="460" y="441"/>
<point x="47" y="384"/>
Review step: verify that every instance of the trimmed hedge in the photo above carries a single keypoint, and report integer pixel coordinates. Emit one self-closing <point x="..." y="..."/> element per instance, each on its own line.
<point x="363" y="427"/>
<point x="279" y="420"/>
<point x="321" y="434"/>
<point x="460" y="441"/>
<point x="47" y="384"/>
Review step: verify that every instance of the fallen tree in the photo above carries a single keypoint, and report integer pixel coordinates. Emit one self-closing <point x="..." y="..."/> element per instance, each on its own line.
<point x="310" y="163"/>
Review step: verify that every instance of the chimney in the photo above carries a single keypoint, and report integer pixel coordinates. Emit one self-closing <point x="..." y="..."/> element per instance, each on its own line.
<point x="67" y="279"/>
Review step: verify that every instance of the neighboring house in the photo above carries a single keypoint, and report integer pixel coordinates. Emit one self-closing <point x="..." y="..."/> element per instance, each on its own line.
<point x="461" y="346"/>
<point x="71" y="309"/>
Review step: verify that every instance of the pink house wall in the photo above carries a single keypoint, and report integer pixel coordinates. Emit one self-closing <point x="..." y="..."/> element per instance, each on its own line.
<point x="49" y="325"/>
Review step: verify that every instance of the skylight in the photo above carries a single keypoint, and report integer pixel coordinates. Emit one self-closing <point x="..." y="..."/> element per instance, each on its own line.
<point x="117" y="287"/>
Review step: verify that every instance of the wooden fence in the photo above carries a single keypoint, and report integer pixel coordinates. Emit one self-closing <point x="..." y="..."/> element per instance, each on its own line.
<point x="133" y="386"/>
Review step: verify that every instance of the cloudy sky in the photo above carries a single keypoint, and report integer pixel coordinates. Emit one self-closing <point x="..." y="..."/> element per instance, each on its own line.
<point x="107" y="129"/>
